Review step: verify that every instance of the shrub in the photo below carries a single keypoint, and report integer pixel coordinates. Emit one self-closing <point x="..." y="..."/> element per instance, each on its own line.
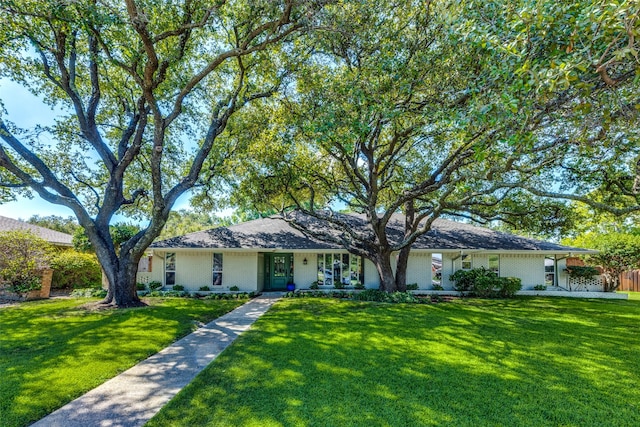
<point x="540" y="288"/>
<point x="72" y="269"/>
<point x="466" y="279"/>
<point x="141" y="287"/>
<point x="178" y="288"/>
<point x="175" y="293"/>
<point x="578" y="271"/>
<point x="314" y="285"/>
<point x="484" y="286"/>
<point x="338" y="285"/>
<point x="155" y="285"/>
<point x="412" y="286"/>
<point x="89" y="293"/>
<point x="382" y="296"/>
<point x="358" y="285"/>
<point x="204" y="288"/>
<point x="234" y="288"/>
<point x="24" y="257"/>
<point x="223" y="296"/>
<point x="508" y="286"/>
<point x="437" y="287"/>
<point x="485" y="283"/>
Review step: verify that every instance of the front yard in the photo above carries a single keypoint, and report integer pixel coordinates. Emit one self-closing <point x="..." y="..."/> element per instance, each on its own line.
<point x="525" y="362"/>
<point x="54" y="351"/>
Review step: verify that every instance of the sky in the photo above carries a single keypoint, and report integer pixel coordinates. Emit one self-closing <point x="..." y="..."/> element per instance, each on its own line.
<point x="27" y="111"/>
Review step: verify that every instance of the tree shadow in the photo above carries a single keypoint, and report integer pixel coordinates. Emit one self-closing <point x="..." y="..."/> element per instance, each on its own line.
<point x="521" y="362"/>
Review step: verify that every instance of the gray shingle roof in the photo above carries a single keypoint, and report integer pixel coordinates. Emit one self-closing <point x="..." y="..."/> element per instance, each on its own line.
<point x="52" y="236"/>
<point x="276" y="233"/>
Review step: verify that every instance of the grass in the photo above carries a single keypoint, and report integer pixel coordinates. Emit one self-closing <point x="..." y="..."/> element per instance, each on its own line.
<point x="54" y="351"/>
<point x="633" y="296"/>
<point x="526" y="362"/>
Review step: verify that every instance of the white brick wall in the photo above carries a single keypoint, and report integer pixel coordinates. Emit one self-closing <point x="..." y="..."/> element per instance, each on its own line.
<point x="529" y="268"/>
<point x="304" y="275"/>
<point x="419" y="270"/>
<point x="240" y="269"/>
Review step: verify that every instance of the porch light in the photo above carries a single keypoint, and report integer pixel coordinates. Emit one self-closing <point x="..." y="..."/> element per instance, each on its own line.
<point x="304" y="261"/>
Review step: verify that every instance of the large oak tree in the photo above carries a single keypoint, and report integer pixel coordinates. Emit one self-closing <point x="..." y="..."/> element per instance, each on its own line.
<point x="480" y="109"/>
<point x="144" y="90"/>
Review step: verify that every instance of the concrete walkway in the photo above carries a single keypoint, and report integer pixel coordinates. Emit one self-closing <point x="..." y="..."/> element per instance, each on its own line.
<point x="136" y="395"/>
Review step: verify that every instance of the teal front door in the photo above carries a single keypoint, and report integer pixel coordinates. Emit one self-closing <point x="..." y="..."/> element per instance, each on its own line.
<point x="278" y="271"/>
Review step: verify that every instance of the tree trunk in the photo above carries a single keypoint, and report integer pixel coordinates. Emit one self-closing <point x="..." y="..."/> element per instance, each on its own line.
<point x="403" y="256"/>
<point x="126" y="294"/>
<point x="401" y="269"/>
<point x="387" y="279"/>
<point x="121" y="274"/>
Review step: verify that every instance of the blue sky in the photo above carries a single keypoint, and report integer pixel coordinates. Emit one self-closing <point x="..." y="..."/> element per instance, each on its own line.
<point x="27" y="111"/>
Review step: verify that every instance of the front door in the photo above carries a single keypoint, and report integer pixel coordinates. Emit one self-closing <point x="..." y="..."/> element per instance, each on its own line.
<point x="278" y="271"/>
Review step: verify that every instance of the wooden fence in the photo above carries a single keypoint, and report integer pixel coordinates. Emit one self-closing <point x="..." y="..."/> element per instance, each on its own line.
<point x="630" y="281"/>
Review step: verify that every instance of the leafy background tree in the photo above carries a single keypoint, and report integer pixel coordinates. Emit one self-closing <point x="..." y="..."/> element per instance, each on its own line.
<point x="474" y="110"/>
<point x="67" y="225"/>
<point x="485" y="110"/>
<point x="619" y="252"/>
<point x="24" y="257"/>
<point x="145" y="89"/>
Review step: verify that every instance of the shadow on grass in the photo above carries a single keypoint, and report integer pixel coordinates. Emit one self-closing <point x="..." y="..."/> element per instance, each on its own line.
<point x="53" y="351"/>
<point x="530" y="361"/>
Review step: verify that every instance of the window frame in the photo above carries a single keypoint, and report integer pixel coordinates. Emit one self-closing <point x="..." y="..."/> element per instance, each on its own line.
<point x="333" y="265"/>
<point x="553" y="272"/>
<point x="466" y="258"/>
<point x="217" y="274"/>
<point x="496" y="270"/>
<point x="169" y="271"/>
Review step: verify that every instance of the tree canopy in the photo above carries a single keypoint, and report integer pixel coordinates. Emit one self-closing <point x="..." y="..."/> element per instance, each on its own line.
<point x="487" y="111"/>
<point x="67" y="225"/>
<point x="145" y="89"/>
<point x="618" y="252"/>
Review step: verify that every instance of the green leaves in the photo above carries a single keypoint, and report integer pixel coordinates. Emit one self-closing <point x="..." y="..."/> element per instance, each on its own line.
<point x="619" y="252"/>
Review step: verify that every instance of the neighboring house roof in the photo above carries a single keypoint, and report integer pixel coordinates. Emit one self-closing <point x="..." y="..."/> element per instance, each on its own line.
<point x="276" y="233"/>
<point x="52" y="236"/>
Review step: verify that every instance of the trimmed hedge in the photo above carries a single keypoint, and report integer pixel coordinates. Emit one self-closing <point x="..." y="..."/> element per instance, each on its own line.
<point x="75" y="270"/>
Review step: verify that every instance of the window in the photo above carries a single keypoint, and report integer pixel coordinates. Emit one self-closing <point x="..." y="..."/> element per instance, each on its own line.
<point x="494" y="263"/>
<point x="466" y="262"/>
<point x="436" y="269"/>
<point x="321" y="274"/>
<point x="550" y="271"/>
<point x="217" y="269"/>
<point x="170" y="269"/>
<point x="279" y="267"/>
<point x="346" y="274"/>
<point x="339" y="268"/>
<point x="356" y="270"/>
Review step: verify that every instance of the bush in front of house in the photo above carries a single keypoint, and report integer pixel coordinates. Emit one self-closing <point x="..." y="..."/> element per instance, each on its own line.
<point x="382" y="296"/>
<point x="155" y="285"/>
<point x="24" y="257"/>
<point x="88" y="293"/>
<point x="72" y="269"/>
<point x="484" y="283"/>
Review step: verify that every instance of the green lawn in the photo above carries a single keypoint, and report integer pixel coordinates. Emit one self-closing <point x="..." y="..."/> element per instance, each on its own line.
<point x="54" y="351"/>
<point x="524" y="362"/>
<point x="633" y="296"/>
